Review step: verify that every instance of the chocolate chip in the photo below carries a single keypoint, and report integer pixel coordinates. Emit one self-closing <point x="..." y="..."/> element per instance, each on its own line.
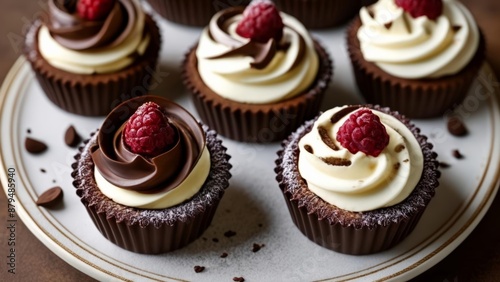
<point x="444" y="165"/>
<point x="71" y="137"/>
<point x="229" y="233"/>
<point x="34" y="146"/>
<point x="198" y="268"/>
<point x="224" y="255"/>
<point x="215" y="240"/>
<point x="50" y="197"/>
<point x="456" y="153"/>
<point x="256" y="247"/>
<point x="239" y="279"/>
<point x="456" y="126"/>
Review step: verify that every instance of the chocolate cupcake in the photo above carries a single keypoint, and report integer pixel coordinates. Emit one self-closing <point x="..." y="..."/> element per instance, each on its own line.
<point x="87" y="63"/>
<point x="321" y="13"/>
<point x="256" y="83"/>
<point x="420" y="63"/>
<point x="192" y="12"/>
<point x="152" y="177"/>
<point x="357" y="179"/>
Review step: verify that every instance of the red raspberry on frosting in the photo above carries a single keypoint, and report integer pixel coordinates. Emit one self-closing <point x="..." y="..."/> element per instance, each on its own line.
<point x="261" y="22"/>
<point x="363" y="131"/>
<point x="94" y="10"/>
<point x="416" y="8"/>
<point x="148" y="131"/>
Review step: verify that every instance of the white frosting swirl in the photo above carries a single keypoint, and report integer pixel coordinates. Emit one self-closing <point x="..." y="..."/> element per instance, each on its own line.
<point x="103" y="60"/>
<point x="187" y="189"/>
<point x="234" y="79"/>
<point x="415" y="48"/>
<point x="368" y="183"/>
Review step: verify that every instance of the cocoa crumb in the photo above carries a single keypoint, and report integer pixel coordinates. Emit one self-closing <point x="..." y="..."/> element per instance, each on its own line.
<point x="238" y="279"/>
<point x="198" y="268"/>
<point x="224" y="255"/>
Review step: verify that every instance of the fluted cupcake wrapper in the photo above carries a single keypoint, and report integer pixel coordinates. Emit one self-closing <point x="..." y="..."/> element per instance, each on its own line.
<point x="417" y="98"/>
<point x="343" y="231"/>
<point x="192" y="12"/>
<point x="259" y="123"/>
<point x="96" y="94"/>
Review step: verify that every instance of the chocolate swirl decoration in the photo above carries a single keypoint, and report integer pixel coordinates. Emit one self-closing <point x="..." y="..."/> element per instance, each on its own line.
<point x="131" y="171"/>
<point x="262" y="53"/>
<point x="75" y="33"/>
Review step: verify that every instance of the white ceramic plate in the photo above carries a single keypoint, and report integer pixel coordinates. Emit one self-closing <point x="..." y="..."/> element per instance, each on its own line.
<point x="253" y="206"/>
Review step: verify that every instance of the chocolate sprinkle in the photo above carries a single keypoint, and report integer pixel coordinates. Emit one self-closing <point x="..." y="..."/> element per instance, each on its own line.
<point x="71" y="137"/>
<point x="456" y="153"/>
<point x="399" y="148"/>
<point x="444" y="165"/>
<point x="34" y="146"/>
<point x="50" y="197"/>
<point x="309" y="149"/>
<point x="238" y="279"/>
<point x="198" y="268"/>
<point x="336" y="161"/>
<point x="326" y="139"/>
<point x="224" y="255"/>
<point x="456" y="126"/>
<point x="229" y="233"/>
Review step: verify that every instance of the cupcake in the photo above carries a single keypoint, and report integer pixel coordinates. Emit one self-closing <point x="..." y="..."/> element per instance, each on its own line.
<point x="255" y="74"/>
<point x="357" y="179"/>
<point x="321" y="13"/>
<point x="192" y="12"/>
<point x="89" y="59"/>
<point x="151" y="178"/>
<point x="417" y="57"/>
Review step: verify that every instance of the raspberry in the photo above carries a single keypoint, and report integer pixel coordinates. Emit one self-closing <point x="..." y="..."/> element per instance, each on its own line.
<point x="261" y="22"/>
<point x="94" y="10"/>
<point x="364" y="132"/>
<point x="148" y="131"/>
<point x="416" y="8"/>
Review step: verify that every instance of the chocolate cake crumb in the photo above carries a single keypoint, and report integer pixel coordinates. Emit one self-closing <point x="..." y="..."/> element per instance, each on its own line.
<point x="399" y="148"/>
<point x="326" y="139"/>
<point x="309" y="149"/>
<point x="229" y="233"/>
<point x="198" y="268"/>
<point x="71" y="137"/>
<point x="215" y="240"/>
<point x="50" y="197"/>
<point x="224" y="255"/>
<point x="256" y="247"/>
<point x="444" y="165"/>
<point x="238" y="279"/>
<point x="34" y="146"/>
<point x="456" y="153"/>
<point x="456" y="126"/>
<point x="336" y="161"/>
<point x="43" y="170"/>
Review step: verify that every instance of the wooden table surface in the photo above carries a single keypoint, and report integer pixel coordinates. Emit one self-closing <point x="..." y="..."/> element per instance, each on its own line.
<point x="476" y="259"/>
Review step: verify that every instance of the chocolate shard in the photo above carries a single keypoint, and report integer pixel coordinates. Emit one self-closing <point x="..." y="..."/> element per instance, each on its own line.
<point x="323" y="133"/>
<point x="51" y="197"/>
<point x="456" y="126"/>
<point x="309" y="149"/>
<point x="71" y="137"/>
<point x="336" y="161"/>
<point x="34" y="146"/>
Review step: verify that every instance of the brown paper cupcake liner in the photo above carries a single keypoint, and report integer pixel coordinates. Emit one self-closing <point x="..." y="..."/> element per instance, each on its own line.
<point x="320" y="13"/>
<point x="192" y="12"/>
<point x="94" y="95"/>
<point x="419" y="98"/>
<point x="153" y="231"/>
<point x="353" y="232"/>
<point x="260" y="123"/>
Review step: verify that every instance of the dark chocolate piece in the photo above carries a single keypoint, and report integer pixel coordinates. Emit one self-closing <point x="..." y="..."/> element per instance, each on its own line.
<point x="456" y="153"/>
<point x="198" y="268"/>
<point x="326" y="138"/>
<point x="336" y="161"/>
<point x="34" y="146"/>
<point x="71" y="137"/>
<point x="456" y="126"/>
<point x="309" y="149"/>
<point x="50" y="197"/>
<point x="229" y="233"/>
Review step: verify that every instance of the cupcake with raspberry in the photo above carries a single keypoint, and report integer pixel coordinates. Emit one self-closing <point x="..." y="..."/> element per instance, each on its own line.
<point x="192" y="12"/>
<point x="89" y="55"/>
<point x="417" y="57"/>
<point x="152" y="177"/>
<point x="357" y="179"/>
<point x="256" y="74"/>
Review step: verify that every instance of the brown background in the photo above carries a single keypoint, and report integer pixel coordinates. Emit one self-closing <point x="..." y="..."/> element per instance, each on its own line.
<point x="476" y="259"/>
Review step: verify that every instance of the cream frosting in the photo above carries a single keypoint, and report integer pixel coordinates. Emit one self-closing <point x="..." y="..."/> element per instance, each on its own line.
<point x="102" y="60"/>
<point x="184" y="191"/>
<point x="415" y="48"/>
<point x="368" y="183"/>
<point x="233" y="78"/>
